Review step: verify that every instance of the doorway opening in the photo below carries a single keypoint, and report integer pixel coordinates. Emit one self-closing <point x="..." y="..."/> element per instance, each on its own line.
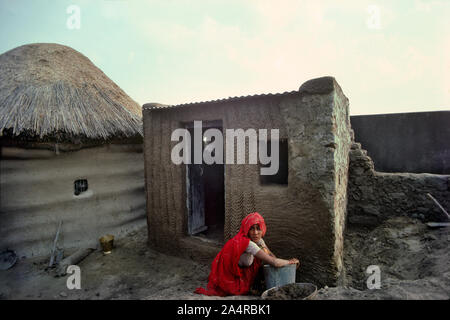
<point x="205" y="191"/>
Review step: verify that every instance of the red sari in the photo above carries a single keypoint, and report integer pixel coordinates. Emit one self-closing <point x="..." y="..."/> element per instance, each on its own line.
<point x="227" y="277"/>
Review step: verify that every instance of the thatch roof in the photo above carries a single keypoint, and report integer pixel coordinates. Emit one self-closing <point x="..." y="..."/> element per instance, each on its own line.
<point x="51" y="90"/>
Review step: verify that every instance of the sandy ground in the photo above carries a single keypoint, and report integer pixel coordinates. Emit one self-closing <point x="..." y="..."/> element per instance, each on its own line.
<point x="131" y="271"/>
<point x="413" y="260"/>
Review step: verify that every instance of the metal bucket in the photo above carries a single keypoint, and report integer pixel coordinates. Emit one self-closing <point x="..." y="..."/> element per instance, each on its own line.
<point x="107" y="243"/>
<point x="277" y="277"/>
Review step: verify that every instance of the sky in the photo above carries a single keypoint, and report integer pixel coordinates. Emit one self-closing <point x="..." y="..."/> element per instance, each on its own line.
<point x="387" y="56"/>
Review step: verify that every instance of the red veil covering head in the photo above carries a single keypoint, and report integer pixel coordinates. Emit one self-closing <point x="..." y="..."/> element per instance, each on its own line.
<point x="226" y="277"/>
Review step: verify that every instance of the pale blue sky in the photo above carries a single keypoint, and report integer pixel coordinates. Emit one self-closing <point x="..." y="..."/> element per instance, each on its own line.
<point x="388" y="56"/>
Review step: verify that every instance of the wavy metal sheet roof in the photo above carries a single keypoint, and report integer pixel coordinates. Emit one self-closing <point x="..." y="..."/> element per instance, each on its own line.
<point x="152" y="106"/>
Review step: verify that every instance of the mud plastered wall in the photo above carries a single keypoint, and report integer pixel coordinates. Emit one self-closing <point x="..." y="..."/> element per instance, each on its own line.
<point x="166" y="182"/>
<point x="305" y="219"/>
<point x="319" y="131"/>
<point x="375" y="196"/>
<point x="37" y="192"/>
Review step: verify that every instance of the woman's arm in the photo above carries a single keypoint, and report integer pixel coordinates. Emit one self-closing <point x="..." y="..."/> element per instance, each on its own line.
<point x="267" y="250"/>
<point x="273" y="261"/>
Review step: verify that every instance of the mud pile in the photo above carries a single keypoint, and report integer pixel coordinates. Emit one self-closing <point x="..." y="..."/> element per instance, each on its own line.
<point x="412" y="259"/>
<point x="293" y="291"/>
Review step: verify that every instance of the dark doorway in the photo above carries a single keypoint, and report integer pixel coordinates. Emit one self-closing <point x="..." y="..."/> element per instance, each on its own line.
<point x="205" y="186"/>
<point x="281" y="177"/>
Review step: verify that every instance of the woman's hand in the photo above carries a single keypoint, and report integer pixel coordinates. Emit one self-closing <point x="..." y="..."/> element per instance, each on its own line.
<point x="294" y="261"/>
<point x="275" y="262"/>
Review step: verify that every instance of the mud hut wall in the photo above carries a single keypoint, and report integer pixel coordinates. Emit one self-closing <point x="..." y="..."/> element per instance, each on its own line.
<point x="306" y="218"/>
<point x="341" y="145"/>
<point x="376" y="196"/>
<point x="37" y="192"/>
<point x="319" y="133"/>
<point x="166" y="182"/>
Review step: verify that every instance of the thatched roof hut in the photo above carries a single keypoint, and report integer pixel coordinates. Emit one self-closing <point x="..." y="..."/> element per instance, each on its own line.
<point x="70" y="152"/>
<point x="52" y="92"/>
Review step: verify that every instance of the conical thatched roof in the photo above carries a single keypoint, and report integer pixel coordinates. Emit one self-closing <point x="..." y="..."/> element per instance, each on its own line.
<point x="50" y="90"/>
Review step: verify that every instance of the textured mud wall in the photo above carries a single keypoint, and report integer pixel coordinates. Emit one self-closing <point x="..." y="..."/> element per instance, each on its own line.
<point x="37" y="191"/>
<point x="305" y="218"/>
<point x="319" y="132"/>
<point x="166" y="182"/>
<point x="375" y="196"/>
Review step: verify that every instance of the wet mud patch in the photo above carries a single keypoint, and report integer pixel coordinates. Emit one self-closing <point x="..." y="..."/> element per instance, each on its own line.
<point x="292" y="291"/>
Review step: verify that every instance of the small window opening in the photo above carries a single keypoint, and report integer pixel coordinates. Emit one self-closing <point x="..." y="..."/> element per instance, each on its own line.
<point x="281" y="177"/>
<point x="80" y="186"/>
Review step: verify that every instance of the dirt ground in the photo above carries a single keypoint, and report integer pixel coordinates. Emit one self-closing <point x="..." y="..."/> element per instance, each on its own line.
<point x="413" y="260"/>
<point x="131" y="271"/>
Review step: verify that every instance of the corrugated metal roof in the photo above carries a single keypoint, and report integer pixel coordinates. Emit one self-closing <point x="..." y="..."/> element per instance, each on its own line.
<point x="152" y="106"/>
<point x="321" y="85"/>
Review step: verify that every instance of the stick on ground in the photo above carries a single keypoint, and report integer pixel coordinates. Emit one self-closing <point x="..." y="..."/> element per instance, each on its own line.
<point x="52" y="257"/>
<point x="439" y="205"/>
<point x="72" y="260"/>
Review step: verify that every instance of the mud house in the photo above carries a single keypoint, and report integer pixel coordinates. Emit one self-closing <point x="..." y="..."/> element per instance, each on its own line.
<point x="193" y="208"/>
<point x="71" y="152"/>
